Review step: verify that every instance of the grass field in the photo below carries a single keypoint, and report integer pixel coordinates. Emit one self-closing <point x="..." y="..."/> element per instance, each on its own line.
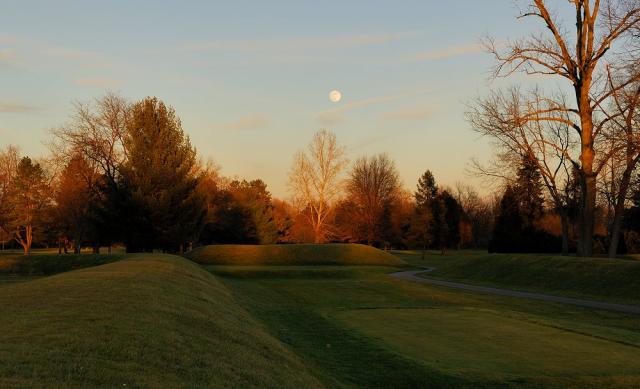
<point x="613" y="280"/>
<point x="293" y="254"/>
<point x="151" y="320"/>
<point x="146" y="321"/>
<point x="359" y="327"/>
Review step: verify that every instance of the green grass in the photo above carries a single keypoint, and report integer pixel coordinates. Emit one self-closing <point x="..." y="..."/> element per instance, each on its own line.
<point x="613" y="280"/>
<point x="362" y="328"/>
<point x="47" y="264"/>
<point x="145" y="321"/>
<point x="294" y="254"/>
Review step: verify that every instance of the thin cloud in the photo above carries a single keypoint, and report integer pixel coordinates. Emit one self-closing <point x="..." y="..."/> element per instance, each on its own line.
<point x="15" y="107"/>
<point x="448" y="52"/>
<point x="249" y="122"/>
<point x="96" y="82"/>
<point x="335" y="116"/>
<point x="71" y="54"/>
<point x="295" y="44"/>
<point x="8" y="59"/>
<point x="410" y="114"/>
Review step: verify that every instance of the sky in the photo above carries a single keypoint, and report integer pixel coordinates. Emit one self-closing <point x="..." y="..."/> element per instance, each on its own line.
<point x="250" y="80"/>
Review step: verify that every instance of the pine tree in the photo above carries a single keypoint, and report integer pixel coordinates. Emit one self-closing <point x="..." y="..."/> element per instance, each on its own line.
<point x="529" y="190"/>
<point x="427" y="189"/>
<point x="424" y="218"/>
<point x="507" y="233"/>
<point x="168" y="212"/>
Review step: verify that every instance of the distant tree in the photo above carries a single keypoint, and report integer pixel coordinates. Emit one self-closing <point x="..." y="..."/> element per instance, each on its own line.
<point x="97" y="130"/>
<point x="529" y="189"/>
<point x="254" y="196"/>
<point x="422" y="223"/>
<point x="73" y="199"/>
<point x="453" y="218"/>
<point x="9" y="160"/>
<point x="372" y="187"/>
<point x="228" y="221"/>
<point x="284" y="219"/>
<point x="314" y="181"/>
<point x="507" y="234"/>
<point x="479" y="216"/>
<point x="29" y="201"/>
<point x="427" y="189"/>
<point x="167" y="210"/>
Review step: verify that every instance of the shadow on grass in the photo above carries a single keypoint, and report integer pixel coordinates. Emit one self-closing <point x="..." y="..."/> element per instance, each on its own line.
<point x="48" y="264"/>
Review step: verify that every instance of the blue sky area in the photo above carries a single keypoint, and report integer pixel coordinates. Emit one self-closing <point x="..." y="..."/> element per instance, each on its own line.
<point x="250" y="79"/>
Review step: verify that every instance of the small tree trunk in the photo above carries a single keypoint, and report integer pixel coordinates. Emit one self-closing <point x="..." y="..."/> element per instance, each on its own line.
<point x="96" y="249"/>
<point x="619" y="211"/>
<point x="181" y="248"/>
<point x="564" y="219"/>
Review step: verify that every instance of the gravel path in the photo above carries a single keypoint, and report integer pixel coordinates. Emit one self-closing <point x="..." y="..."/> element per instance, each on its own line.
<point x="412" y="275"/>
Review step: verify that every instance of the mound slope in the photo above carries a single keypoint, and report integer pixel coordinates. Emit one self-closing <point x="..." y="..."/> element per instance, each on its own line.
<point x="146" y="321"/>
<point x="294" y="254"/>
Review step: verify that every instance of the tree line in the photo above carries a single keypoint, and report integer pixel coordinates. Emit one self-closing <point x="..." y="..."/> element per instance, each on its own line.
<point x="122" y="173"/>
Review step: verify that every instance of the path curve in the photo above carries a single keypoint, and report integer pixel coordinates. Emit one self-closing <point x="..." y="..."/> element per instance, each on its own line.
<point x="412" y="275"/>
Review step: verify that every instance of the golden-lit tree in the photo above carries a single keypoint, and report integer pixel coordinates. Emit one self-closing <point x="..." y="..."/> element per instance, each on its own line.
<point x="315" y="181"/>
<point x="96" y="131"/>
<point x="580" y="55"/>
<point x="372" y="188"/>
<point x="29" y="199"/>
<point x="9" y="159"/>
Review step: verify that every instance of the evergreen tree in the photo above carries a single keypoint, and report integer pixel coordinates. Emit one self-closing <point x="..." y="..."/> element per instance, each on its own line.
<point x="427" y="189"/>
<point x="168" y="212"/>
<point x="507" y="233"/>
<point x="452" y="217"/>
<point x="529" y="190"/>
<point x="423" y="220"/>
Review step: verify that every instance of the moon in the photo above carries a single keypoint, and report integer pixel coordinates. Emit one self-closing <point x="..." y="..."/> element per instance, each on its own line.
<point x="335" y="96"/>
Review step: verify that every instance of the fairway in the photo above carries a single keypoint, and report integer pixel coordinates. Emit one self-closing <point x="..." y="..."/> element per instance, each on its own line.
<point x="150" y="320"/>
<point x="486" y="342"/>
<point x="600" y="279"/>
<point x="362" y="328"/>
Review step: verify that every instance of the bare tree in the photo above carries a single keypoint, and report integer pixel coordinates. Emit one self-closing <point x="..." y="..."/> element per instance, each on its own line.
<point x="373" y="185"/>
<point x="579" y="58"/>
<point x="623" y="143"/>
<point x="96" y="131"/>
<point x="547" y="143"/>
<point x="314" y="180"/>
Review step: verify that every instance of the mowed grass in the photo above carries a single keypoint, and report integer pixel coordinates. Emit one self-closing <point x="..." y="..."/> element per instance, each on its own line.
<point x="358" y="327"/>
<point x="613" y="280"/>
<point x="145" y="321"/>
<point x="293" y="254"/>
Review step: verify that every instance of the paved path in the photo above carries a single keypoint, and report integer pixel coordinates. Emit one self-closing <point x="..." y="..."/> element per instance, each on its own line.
<point x="412" y="275"/>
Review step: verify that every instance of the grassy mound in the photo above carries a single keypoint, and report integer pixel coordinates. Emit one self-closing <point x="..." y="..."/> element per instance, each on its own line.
<point x="47" y="264"/>
<point x="596" y="278"/>
<point x="294" y="254"/>
<point x="145" y="321"/>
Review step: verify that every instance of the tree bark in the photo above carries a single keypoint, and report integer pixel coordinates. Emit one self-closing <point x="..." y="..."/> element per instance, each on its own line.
<point x="564" y="219"/>
<point x="619" y="212"/>
<point x="587" y="216"/>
